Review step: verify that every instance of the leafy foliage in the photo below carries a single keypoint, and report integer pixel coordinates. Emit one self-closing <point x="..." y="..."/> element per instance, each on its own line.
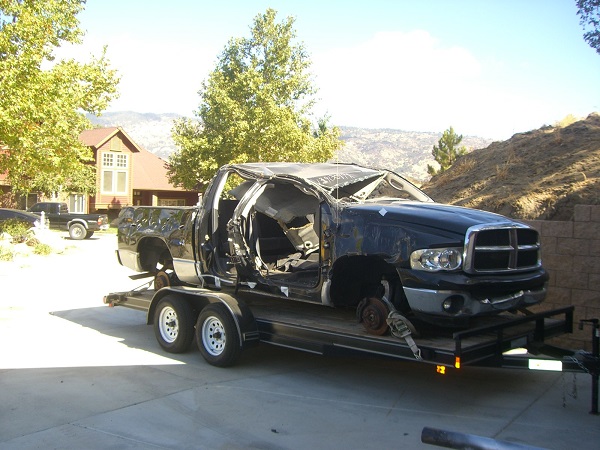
<point x="254" y="107"/>
<point x="446" y="151"/>
<point x="42" y="102"/>
<point x="589" y="14"/>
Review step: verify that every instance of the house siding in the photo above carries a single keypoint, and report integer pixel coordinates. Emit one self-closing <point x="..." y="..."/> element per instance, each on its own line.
<point x="103" y="201"/>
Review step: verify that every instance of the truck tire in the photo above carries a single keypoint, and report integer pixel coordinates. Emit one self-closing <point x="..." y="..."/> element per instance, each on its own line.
<point x="89" y="234"/>
<point x="217" y="336"/>
<point x="77" y="231"/>
<point x="173" y="324"/>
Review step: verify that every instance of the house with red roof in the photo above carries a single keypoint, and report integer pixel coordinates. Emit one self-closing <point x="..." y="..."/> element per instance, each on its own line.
<point x="126" y="174"/>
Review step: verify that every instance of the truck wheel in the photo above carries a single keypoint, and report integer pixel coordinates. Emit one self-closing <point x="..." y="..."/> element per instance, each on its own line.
<point x="161" y="280"/>
<point x="89" y="234"/>
<point x="173" y="324"/>
<point x="217" y="336"/>
<point x="77" y="231"/>
<point x="372" y="313"/>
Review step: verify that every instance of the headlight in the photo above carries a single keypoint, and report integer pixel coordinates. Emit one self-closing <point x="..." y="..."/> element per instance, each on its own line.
<point x="436" y="259"/>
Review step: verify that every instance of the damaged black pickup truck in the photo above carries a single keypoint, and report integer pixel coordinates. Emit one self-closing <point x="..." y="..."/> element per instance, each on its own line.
<point x="339" y="235"/>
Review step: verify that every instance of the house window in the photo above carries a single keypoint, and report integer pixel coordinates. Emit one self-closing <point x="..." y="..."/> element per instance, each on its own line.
<point x="114" y="173"/>
<point x="171" y="202"/>
<point x="122" y="161"/>
<point x="77" y="203"/>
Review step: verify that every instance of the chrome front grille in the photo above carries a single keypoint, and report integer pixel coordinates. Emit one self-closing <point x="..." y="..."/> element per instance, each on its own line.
<point x="503" y="248"/>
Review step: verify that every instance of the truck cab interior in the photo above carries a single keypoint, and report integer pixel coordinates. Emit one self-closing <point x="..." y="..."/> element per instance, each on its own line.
<point x="274" y="226"/>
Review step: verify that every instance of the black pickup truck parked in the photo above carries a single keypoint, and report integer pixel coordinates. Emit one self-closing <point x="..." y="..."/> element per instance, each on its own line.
<point x="340" y="235"/>
<point x="79" y="226"/>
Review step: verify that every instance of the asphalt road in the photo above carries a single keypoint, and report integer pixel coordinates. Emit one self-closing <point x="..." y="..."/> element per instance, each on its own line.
<point x="76" y="374"/>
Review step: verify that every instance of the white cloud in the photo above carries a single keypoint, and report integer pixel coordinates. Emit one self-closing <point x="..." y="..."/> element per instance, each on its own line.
<point x="411" y="81"/>
<point x="155" y="76"/>
<point x="394" y="79"/>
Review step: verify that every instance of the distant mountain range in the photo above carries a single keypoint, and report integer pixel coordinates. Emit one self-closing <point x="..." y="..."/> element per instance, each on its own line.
<point x="406" y="152"/>
<point x="151" y="131"/>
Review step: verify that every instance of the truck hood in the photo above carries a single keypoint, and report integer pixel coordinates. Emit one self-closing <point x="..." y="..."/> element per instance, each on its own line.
<point x="455" y="219"/>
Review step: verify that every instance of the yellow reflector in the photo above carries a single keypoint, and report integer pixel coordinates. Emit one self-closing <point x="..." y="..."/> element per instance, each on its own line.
<point x="441" y="370"/>
<point x="457" y="362"/>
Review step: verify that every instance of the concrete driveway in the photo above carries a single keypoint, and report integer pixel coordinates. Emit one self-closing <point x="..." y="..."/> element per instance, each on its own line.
<point x="76" y="374"/>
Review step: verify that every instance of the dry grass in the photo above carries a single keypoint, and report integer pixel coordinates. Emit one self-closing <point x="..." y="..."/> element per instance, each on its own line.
<point x="504" y="170"/>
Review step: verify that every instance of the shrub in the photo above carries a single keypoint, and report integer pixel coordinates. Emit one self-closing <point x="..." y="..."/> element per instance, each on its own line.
<point x="42" y="249"/>
<point x="20" y="232"/>
<point x="18" y="229"/>
<point x="6" y="254"/>
<point x="566" y="121"/>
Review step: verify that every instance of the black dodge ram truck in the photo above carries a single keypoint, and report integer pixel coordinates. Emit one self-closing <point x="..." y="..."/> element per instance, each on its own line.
<point x="343" y="236"/>
<point x="79" y="226"/>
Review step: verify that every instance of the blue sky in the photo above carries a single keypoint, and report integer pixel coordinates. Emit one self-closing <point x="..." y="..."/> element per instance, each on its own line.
<point x="488" y="68"/>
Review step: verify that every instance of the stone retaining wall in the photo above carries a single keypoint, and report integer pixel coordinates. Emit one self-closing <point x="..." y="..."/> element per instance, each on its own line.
<point x="571" y="254"/>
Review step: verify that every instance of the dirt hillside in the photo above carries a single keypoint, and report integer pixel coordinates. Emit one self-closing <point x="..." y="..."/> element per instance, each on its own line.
<point x="540" y="174"/>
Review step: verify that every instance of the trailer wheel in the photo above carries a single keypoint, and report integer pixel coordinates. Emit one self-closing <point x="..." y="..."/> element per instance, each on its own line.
<point x="77" y="231"/>
<point x="173" y="324"/>
<point x="217" y="336"/>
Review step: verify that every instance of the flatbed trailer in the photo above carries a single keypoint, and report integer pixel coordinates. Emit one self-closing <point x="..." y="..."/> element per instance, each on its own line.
<point x="318" y="329"/>
<point x="224" y="323"/>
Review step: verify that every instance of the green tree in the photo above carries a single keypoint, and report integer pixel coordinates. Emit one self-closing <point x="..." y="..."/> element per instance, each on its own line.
<point x="43" y="102"/>
<point x="589" y="17"/>
<point x="255" y="106"/>
<point x="446" y="151"/>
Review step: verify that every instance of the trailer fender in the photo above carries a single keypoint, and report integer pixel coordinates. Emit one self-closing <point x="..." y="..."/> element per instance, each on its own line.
<point x="241" y="313"/>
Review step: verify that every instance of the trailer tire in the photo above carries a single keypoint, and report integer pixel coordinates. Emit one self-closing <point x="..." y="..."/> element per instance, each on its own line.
<point x="217" y="336"/>
<point x="77" y="232"/>
<point x="173" y="324"/>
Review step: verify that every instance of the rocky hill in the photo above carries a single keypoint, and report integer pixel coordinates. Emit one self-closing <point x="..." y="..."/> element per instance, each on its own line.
<point x="540" y="174"/>
<point x="406" y="152"/>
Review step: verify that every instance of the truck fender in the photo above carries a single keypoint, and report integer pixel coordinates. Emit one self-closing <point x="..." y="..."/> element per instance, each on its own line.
<point x="80" y="221"/>
<point x="199" y="298"/>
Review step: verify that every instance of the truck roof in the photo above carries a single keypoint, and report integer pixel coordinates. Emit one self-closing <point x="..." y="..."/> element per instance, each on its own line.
<point x="326" y="175"/>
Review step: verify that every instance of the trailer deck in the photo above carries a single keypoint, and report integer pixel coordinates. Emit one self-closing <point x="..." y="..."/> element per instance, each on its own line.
<point x="318" y="329"/>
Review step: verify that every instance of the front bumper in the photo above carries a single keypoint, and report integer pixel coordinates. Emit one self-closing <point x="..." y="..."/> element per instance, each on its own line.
<point x="462" y="303"/>
<point x="456" y="295"/>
